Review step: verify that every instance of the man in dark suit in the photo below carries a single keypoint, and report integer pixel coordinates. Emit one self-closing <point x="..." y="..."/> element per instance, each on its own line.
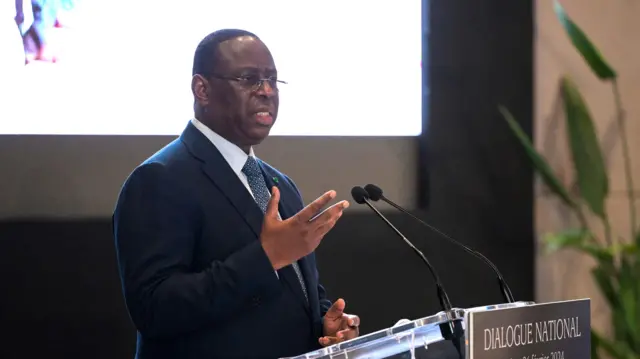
<point x="213" y="264"/>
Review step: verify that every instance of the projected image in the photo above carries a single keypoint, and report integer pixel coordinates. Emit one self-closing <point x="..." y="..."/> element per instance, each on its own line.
<point x="42" y="29"/>
<point x="122" y="67"/>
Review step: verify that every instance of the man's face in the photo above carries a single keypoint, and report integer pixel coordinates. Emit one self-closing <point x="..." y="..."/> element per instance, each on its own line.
<point x="243" y="111"/>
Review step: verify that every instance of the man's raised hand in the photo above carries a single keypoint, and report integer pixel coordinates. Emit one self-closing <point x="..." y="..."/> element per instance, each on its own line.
<point x="286" y="241"/>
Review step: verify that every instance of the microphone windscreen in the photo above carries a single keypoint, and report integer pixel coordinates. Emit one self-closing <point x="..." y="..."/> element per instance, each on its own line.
<point x="374" y="192"/>
<point x="359" y="194"/>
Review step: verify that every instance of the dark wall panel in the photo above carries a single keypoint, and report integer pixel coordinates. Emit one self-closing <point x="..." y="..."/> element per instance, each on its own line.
<point x="479" y="55"/>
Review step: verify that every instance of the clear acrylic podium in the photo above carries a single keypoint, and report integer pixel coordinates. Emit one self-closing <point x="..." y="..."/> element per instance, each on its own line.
<point x="404" y="338"/>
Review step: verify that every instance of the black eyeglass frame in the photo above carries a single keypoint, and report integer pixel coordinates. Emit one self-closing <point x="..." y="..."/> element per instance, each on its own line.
<point x="257" y="81"/>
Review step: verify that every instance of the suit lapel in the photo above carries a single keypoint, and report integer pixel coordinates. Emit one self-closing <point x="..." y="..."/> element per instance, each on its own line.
<point x="218" y="170"/>
<point x="288" y="273"/>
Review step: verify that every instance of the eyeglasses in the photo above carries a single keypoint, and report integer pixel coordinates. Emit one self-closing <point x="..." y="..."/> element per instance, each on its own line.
<point x="252" y="82"/>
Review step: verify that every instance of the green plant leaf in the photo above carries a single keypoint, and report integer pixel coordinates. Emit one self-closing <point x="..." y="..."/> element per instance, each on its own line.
<point x="628" y="296"/>
<point x="576" y="238"/>
<point x="635" y="273"/>
<point x="539" y="163"/>
<point x="627" y="249"/>
<point x="618" y="290"/>
<point x="605" y="280"/>
<point x="584" y="46"/>
<point x="617" y="350"/>
<point x="595" y="345"/>
<point x="588" y="161"/>
<point x="582" y="240"/>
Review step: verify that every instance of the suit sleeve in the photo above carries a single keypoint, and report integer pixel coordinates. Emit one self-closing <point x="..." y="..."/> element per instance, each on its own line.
<point x="156" y="224"/>
<point x="325" y="303"/>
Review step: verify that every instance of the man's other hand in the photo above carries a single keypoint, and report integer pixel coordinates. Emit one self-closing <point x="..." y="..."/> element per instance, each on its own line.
<point x="339" y="326"/>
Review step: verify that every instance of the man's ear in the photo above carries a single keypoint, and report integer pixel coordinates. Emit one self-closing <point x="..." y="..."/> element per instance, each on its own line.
<point x="200" y="89"/>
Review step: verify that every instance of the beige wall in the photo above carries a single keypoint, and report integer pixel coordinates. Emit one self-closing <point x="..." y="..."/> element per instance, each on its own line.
<point x="613" y="26"/>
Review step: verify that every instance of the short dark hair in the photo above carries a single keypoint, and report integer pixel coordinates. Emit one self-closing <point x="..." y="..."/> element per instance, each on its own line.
<point x="206" y="56"/>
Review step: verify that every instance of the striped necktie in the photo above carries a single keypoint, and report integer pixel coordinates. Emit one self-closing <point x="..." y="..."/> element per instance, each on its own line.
<point x="262" y="195"/>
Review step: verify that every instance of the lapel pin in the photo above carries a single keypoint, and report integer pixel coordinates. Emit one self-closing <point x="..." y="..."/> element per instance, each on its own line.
<point x="275" y="180"/>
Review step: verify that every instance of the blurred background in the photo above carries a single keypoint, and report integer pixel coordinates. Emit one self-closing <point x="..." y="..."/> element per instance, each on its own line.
<point x="426" y="99"/>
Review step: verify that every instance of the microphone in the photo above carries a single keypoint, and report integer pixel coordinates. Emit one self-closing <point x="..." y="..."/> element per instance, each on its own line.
<point x="375" y="193"/>
<point x="361" y="197"/>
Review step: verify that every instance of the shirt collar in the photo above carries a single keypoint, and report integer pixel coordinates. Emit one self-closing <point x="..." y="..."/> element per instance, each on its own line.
<point x="234" y="155"/>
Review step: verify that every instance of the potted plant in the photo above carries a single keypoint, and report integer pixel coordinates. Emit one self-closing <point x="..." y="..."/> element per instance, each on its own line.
<point x="617" y="269"/>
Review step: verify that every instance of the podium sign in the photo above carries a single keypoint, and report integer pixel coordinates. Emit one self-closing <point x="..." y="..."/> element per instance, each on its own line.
<point x="560" y="330"/>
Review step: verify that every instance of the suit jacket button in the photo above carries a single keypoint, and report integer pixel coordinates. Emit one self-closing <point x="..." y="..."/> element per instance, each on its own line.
<point x="256" y="301"/>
